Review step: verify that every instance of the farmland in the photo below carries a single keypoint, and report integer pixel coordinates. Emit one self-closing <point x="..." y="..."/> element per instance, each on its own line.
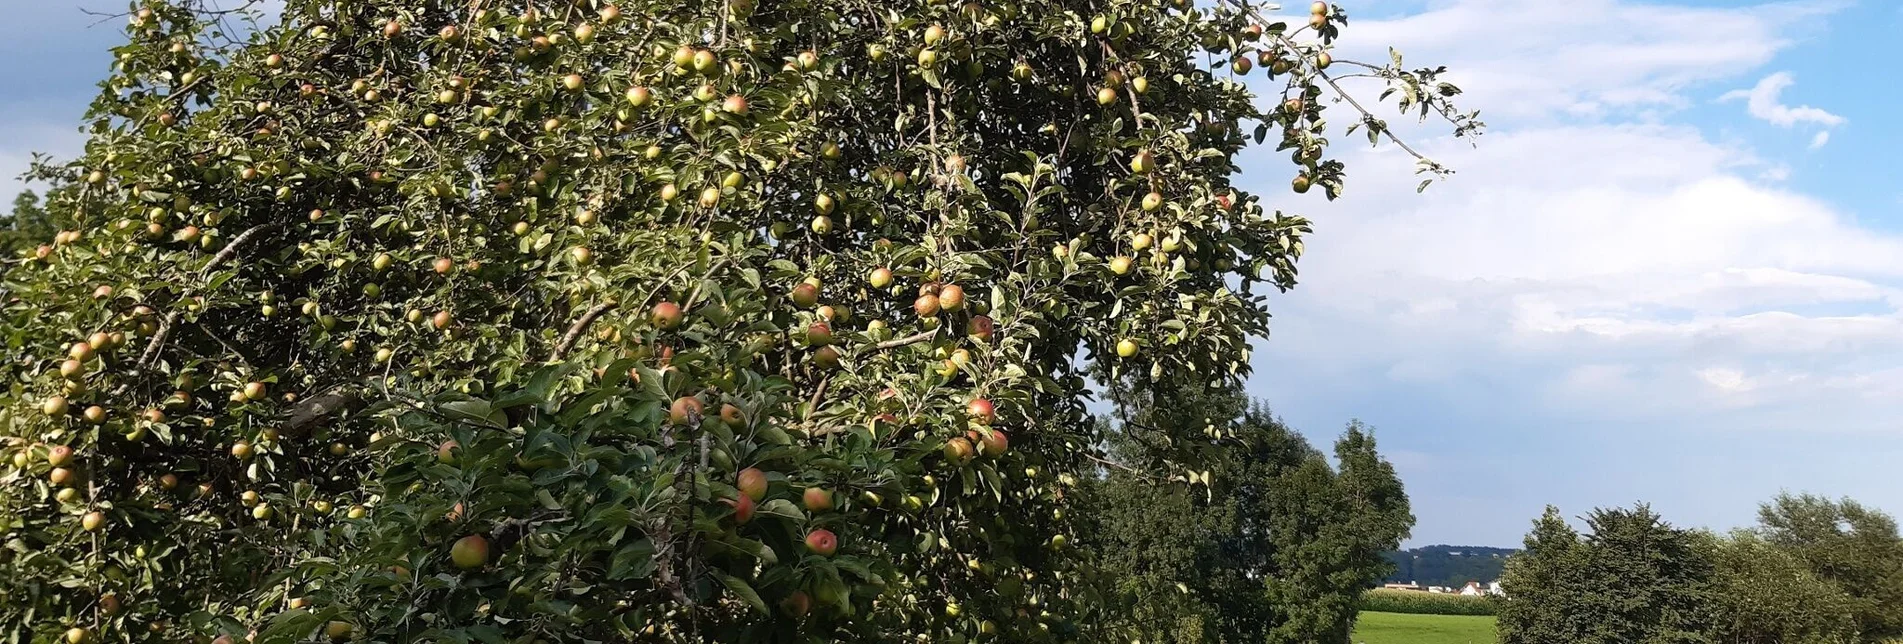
<point x="1398" y="628"/>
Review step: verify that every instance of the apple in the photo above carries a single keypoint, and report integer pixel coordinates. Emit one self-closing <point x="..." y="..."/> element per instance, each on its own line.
<point x="1120" y="265"/>
<point x="168" y="482"/>
<point x="93" y="521"/>
<point x="735" y="105"/>
<point x="446" y="452"/>
<point x="109" y="604"/>
<point x="263" y="512"/>
<point x="684" y="410"/>
<point x="980" y="327"/>
<point x="684" y="56"/>
<point x="337" y="631"/>
<point x="59" y="456"/>
<point x="981" y="410"/>
<point x="822" y="542"/>
<point x="817" y="499"/>
<point x="573" y="82"/>
<point x="81" y="351"/>
<point x="742" y="508"/>
<point x="926" y="305"/>
<point x="826" y="357"/>
<point x="241" y="450"/>
<point x="796" y="604"/>
<point x="704" y="61"/>
<point x="95" y="415"/>
<point x="77" y="635"/>
<point x="1144" y="161"/>
<point x="1126" y="348"/>
<point x="1106" y="96"/>
<point x="469" y="552"/>
<point x="1152" y="201"/>
<point x="55" y="406"/>
<point x="1242" y="65"/>
<point x="951" y="297"/>
<point x="640" y="96"/>
<point x="958" y="450"/>
<point x="443" y="265"/>
<point x="881" y="277"/>
<point x="1300" y="183"/>
<point x="933" y="34"/>
<point x="667" y="316"/>
<point x="752" y="482"/>
<point x="994" y="443"/>
<point x="805" y="295"/>
<point x="819" y="334"/>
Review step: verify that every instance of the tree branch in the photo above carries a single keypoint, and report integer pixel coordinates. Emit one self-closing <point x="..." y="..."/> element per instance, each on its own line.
<point x="575" y="330"/>
<point x="909" y="340"/>
<point x="165" y="326"/>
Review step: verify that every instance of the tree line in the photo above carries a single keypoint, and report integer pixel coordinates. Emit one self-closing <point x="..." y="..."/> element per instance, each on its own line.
<point x="1812" y="571"/>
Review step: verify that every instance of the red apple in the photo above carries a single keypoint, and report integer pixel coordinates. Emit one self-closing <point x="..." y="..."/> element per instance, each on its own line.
<point x="666" y="317"/>
<point x="470" y="552"/>
<point x="980" y="327"/>
<point x="951" y="297"/>
<point x="805" y="295"/>
<point x="819" y="334"/>
<point x="981" y="410"/>
<point x="742" y="508"/>
<point x="822" y="542"/>
<point x="797" y="603"/>
<point x="958" y="450"/>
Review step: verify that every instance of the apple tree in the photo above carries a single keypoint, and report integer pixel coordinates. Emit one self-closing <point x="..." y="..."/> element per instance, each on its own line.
<point x="568" y="320"/>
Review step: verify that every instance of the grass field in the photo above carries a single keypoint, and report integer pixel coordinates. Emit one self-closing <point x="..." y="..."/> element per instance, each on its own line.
<point x="1396" y="628"/>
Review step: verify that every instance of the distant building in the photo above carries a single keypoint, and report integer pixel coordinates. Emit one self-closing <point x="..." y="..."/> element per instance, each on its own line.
<point x="1493" y="588"/>
<point x="1407" y="586"/>
<point x="1472" y="589"/>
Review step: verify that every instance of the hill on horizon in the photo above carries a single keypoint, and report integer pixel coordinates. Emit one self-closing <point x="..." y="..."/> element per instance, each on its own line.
<point x="1448" y="565"/>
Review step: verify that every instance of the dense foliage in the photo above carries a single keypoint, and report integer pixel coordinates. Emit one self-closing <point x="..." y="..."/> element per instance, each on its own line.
<point x="1814" y="571"/>
<point x="1425" y="603"/>
<point x="424" y="320"/>
<point x="1448" y="566"/>
<point x="1276" y="548"/>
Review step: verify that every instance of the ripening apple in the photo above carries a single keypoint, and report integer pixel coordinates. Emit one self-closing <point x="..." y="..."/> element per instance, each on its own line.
<point x="735" y="105"/>
<point x="806" y="295"/>
<point x="337" y="630"/>
<point x="817" y="499"/>
<point x="59" y="456"/>
<point x="881" y="277"/>
<point x="752" y="482"/>
<point x="241" y="450"/>
<point x="639" y="96"/>
<point x="683" y="410"/>
<point x="446" y="452"/>
<point x="980" y="327"/>
<point x="77" y="635"/>
<point x="822" y="542"/>
<point x="1120" y="265"/>
<point x="819" y="334"/>
<point x="1152" y="201"/>
<point x="823" y="203"/>
<point x="1126" y="348"/>
<point x="951" y="297"/>
<point x="994" y="444"/>
<point x="666" y="316"/>
<point x="1300" y="184"/>
<point x="1144" y="161"/>
<point x="796" y="604"/>
<point x="705" y="62"/>
<point x="709" y="197"/>
<point x="981" y="411"/>
<point x="1141" y="241"/>
<point x="958" y="450"/>
<point x="469" y="552"/>
<point x="742" y="508"/>
<point x="684" y="56"/>
<point x="1106" y="96"/>
<point x="826" y="357"/>
<point x="926" y="305"/>
<point x="93" y="521"/>
<point x="81" y="351"/>
<point x="933" y="34"/>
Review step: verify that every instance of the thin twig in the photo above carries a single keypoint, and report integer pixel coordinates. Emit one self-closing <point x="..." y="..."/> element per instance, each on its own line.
<point x="901" y="342"/>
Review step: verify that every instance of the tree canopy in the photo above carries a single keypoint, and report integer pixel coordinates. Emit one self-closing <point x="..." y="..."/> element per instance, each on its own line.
<point x="421" y="320"/>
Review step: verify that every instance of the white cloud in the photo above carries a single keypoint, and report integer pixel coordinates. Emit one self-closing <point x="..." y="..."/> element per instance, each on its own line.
<point x="1586" y="58"/>
<point x="1818" y="140"/>
<point x="1765" y="102"/>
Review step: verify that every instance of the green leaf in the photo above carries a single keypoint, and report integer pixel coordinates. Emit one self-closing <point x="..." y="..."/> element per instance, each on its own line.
<point x="742" y="590"/>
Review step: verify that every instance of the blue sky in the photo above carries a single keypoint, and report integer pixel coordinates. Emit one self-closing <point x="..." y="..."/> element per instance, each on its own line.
<point x="1649" y="282"/>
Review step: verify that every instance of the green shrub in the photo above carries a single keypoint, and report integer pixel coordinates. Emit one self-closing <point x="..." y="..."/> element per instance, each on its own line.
<point x="1420" y="603"/>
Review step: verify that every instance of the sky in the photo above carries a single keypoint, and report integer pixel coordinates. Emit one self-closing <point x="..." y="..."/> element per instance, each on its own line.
<point x="1671" y="271"/>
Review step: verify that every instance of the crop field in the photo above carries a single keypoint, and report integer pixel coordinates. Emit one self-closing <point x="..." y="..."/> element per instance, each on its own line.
<point x="1400" y="628"/>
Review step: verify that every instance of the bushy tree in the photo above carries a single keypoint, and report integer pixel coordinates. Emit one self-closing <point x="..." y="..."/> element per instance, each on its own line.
<point x="1275" y="545"/>
<point x="1633" y="578"/>
<point x="1856" y="548"/>
<point x="421" y="320"/>
<point x="1767" y="595"/>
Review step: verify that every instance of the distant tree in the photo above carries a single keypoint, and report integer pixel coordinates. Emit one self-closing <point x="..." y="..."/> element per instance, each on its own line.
<point x="1277" y="547"/>
<point x="1632" y="579"/>
<point x="27" y="224"/>
<point x="1855" y="547"/>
